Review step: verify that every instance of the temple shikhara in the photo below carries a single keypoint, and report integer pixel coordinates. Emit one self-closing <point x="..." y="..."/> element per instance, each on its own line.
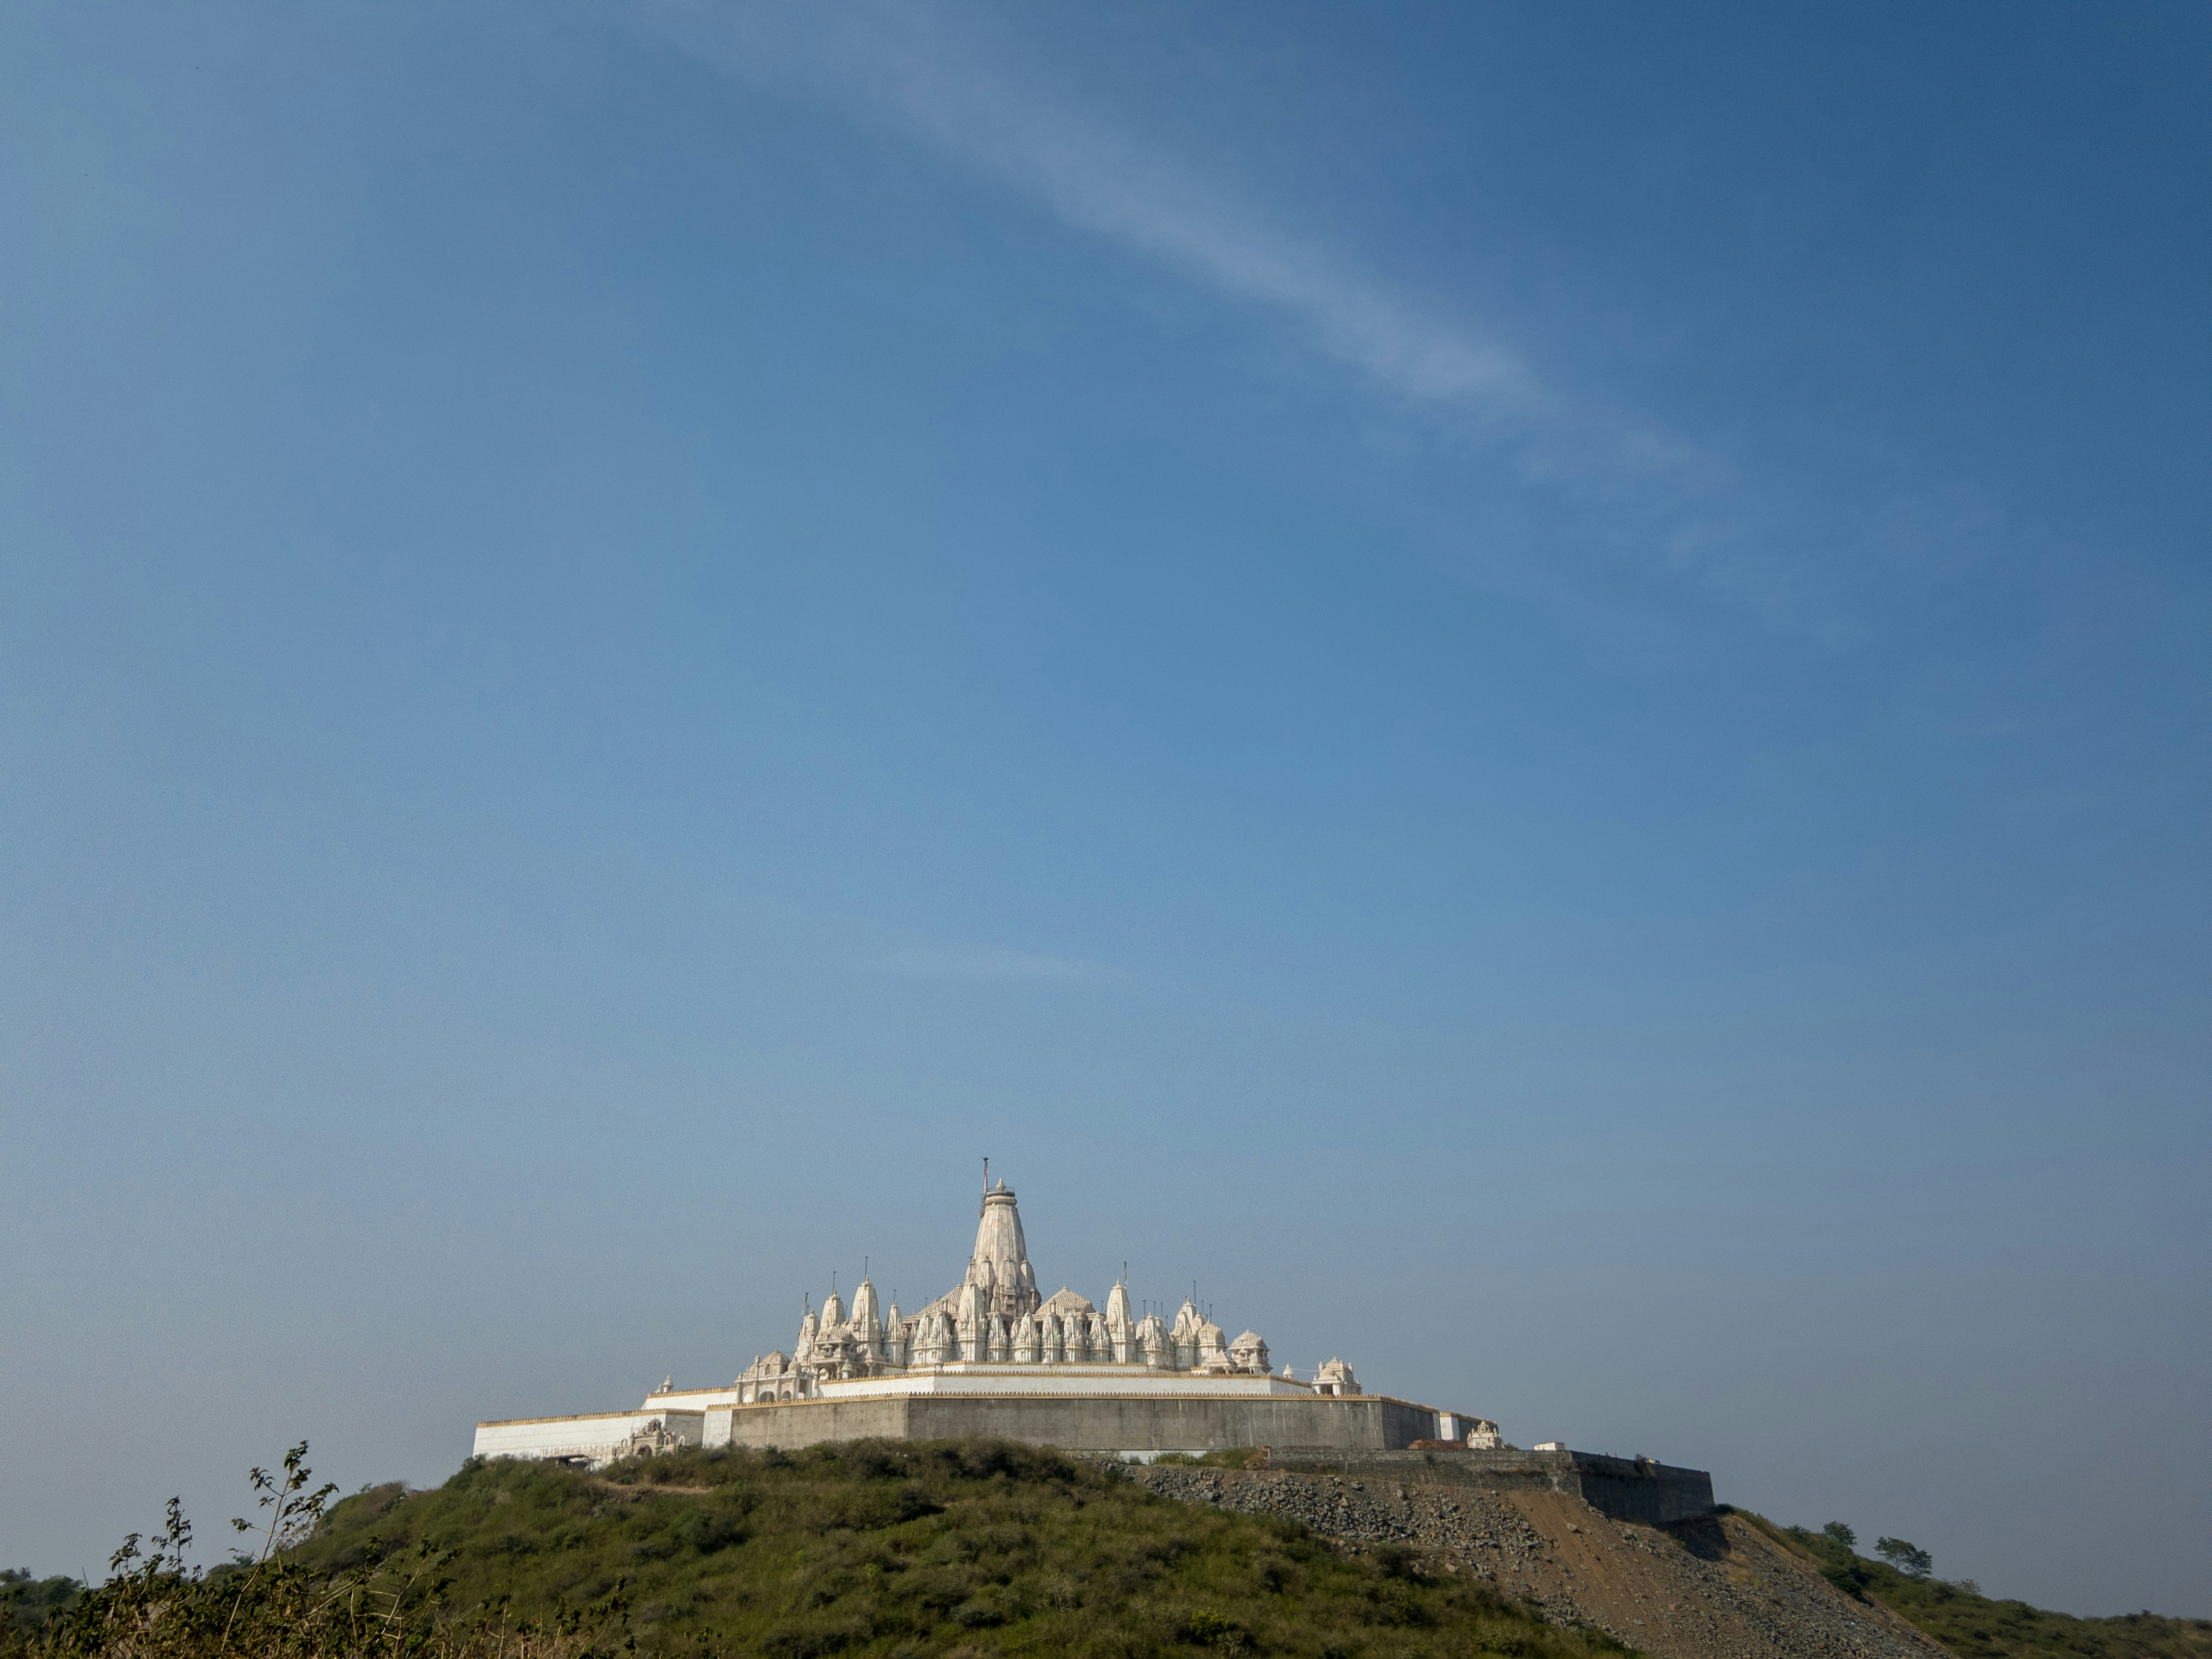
<point x="993" y="1356"/>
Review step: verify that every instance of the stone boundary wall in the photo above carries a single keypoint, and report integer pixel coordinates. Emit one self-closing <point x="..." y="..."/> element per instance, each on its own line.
<point x="1625" y="1488"/>
<point x="795" y="1423"/>
<point x="1353" y="1423"/>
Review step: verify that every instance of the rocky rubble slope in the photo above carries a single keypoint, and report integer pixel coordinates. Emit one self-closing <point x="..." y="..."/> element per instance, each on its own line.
<point x="1718" y="1588"/>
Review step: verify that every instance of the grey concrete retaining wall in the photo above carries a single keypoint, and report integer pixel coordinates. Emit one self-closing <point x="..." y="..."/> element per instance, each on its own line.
<point x="1131" y="1423"/>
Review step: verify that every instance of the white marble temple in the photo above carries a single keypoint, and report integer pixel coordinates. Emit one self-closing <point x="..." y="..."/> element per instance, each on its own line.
<point x="991" y="1335"/>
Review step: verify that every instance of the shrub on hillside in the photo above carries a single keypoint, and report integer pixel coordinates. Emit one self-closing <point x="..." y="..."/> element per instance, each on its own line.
<point x="865" y="1549"/>
<point x="1909" y="1559"/>
<point x="28" y="1604"/>
<point x="156" y="1604"/>
<point x="1958" y="1617"/>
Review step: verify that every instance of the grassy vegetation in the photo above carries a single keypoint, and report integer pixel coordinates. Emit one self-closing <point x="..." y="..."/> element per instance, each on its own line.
<point x="154" y="1605"/>
<point x="1234" y="1457"/>
<point x="28" y="1603"/>
<point x="958" y="1548"/>
<point x="955" y="1549"/>
<point x="891" y="1546"/>
<point x="1973" y="1626"/>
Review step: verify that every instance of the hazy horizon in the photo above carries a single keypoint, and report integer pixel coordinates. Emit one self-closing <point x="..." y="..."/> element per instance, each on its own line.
<point x="1526" y="685"/>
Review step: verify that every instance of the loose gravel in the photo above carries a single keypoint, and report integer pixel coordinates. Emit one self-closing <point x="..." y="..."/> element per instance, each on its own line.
<point x="1709" y="1590"/>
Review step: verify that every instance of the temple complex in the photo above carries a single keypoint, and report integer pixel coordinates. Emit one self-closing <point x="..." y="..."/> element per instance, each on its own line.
<point x="993" y="1356"/>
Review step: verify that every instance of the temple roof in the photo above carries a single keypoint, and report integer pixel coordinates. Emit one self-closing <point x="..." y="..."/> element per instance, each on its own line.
<point x="999" y="1268"/>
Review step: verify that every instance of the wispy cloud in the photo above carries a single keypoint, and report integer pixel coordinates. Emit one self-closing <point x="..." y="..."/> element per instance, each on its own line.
<point x="1098" y="175"/>
<point x="1103" y="179"/>
<point x="918" y="962"/>
<point x="1632" y="482"/>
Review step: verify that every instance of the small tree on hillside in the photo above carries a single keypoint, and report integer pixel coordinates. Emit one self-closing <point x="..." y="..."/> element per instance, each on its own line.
<point x="1837" y="1533"/>
<point x="1908" y="1559"/>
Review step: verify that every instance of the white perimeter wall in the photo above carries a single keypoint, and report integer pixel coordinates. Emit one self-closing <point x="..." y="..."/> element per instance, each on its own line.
<point x="596" y="1435"/>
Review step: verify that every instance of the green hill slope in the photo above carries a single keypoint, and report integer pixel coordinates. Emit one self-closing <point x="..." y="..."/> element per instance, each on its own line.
<point x="959" y="1548"/>
<point x="1973" y="1626"/>
<point x="882" y="1549"/>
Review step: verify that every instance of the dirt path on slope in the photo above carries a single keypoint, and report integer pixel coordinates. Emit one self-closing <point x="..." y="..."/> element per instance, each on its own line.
<point x="1710" y="1589"/>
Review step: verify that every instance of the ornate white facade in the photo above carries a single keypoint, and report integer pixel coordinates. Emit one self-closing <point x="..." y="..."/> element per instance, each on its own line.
<point x="992" y="1355"/>
<point x="995" y="1317"/>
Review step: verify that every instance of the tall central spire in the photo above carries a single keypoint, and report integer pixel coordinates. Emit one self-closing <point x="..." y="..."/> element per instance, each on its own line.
<point x="999" y="1268"/>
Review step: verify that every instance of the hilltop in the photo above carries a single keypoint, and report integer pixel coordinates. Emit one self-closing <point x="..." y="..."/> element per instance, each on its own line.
<point x="885" y="1548"/>
<point x="870" y="1548"/>
<point x="974" y="1548"/>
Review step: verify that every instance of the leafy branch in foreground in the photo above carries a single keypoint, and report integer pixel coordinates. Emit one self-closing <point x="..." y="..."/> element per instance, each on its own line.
<point x="156" y="1604"/>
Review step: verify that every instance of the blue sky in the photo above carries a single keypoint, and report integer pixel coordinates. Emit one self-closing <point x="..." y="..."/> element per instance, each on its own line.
<point x="1526" y="685"/>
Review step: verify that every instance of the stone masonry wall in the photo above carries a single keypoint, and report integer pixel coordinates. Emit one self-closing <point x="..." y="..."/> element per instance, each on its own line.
<point x="1625" y="1489"/>
<point x="1357" y="1423"/>
<point x="812" y="1422"/>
